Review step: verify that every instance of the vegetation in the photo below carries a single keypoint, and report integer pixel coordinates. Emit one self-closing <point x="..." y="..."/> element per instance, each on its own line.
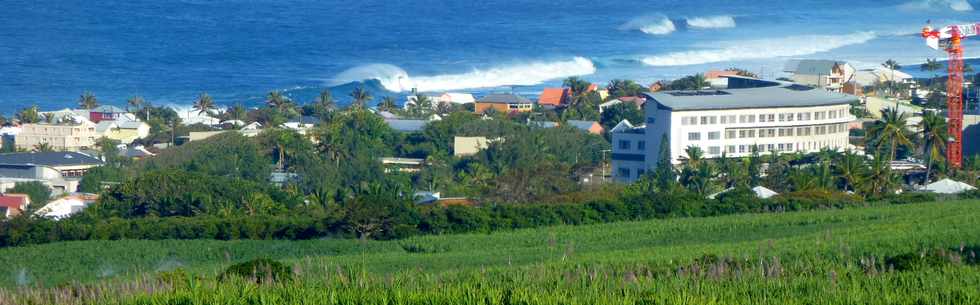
<point x="920" y="253"/>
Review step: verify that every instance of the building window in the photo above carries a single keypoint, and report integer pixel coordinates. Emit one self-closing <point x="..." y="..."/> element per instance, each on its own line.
<point x="729" y="134"/>
<point x="833" y="114"/>
<point x="728" y="119"/>
<point x="624" y="172"/>
<point x="689" y="120"/>
<point x="730" y="149"/>
<point x="714" y="150"/>
<point x="746" y="133"/>
<point x="803" y="131"/>
<point x="623" y="144"/>
<point x="641" y="145"/>
<point x="741" y="149"/>
<point x="746" y="118"/>
<point x="714" y="135"/>
<point x="709" y="120"/>
<point x="693" y="136"/>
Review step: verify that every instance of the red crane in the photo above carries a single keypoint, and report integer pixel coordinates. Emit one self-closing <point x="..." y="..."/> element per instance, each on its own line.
<point x="948" y="38"/>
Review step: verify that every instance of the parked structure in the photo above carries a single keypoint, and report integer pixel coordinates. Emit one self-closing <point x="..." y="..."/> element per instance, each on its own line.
<point x="767" y="115"/>
<point x="503" y="103"/>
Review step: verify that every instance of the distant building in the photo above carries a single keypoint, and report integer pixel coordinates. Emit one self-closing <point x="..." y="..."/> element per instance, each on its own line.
<point x="66" y="206"/>
<point x="456" y="98"/>
<point x="592" y="127"/>
<point x="718" y="78"/>
<point x="503" y="103"/>
<point x="638" y="101"/>
<point x="12" y="205"/>
<point x="106" y="113"/>
<point x="767" y="115"/>
<point x="125" y="131"/>
<point x="468" y="146"/>
<point x="402" y="165"/>
<point x="61" y="171"/>
<point x="554" y="97"/>
<point x="407" y="125"/>
<point x="62" y="137"/>
<point x="629" y="150"/>
<point x="827" y="74"/>
<point x="302" y="124"/>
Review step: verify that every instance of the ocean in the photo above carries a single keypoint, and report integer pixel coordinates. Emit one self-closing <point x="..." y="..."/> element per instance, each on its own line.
<point x="237" y="51"/>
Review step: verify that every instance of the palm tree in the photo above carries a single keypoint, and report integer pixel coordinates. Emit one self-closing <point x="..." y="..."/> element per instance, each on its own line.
<point x="278" y="101"/>
<point x="387" y="103"/>
<point x="893" y="129"/>
<point x="934" y="137"/>
<point x="880" y="178"/>
<point x="694" y="155"/>
<point x="849" y="169"/>
<point x="204" y="104"/>
<point x="360" y="96"/>
<point x="931" y="65"/>
<point x="136" y="102"/>
<point x="893" y="66"/>
<point x="325" y="100"/>
<point x="29" y="115"/>
<point x="577" y="85"/>
<point x="88" y="101"/>
<point x="43" y="147"/>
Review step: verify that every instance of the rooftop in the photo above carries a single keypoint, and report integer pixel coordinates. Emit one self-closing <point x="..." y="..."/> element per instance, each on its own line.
<point x="407" y="125"/>
<point x="812" y="66"/>
<point x="108" y="109"/>
<point x="747" y="93"/>
<point x="552" y="96"/>
<point x="504" y="98"/>
<point x="49" y="158"/>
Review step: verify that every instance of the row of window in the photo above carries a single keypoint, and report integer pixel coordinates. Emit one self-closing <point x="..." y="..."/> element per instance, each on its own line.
<point x="626" y="145"/>
<point x="771" y="132"/>
<point x="775" y="147"/>
<point x="762" y="118"/>
<point x="624" y="173"/>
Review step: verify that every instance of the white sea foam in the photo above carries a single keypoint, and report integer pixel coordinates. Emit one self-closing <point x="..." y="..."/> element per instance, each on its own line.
<point x="956" y="5"/>
<point x="759" y="49"/>
<point x="712" y="22"/>
<point x="395" y="79"/>
<point x="653" y="25"/>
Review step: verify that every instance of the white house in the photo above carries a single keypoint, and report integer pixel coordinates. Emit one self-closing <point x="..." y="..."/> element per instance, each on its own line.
<point x="629" y="150"/>
<point x="768" y="115"/>
<point x="828" y="74"/>
<point x="456" y="98"/>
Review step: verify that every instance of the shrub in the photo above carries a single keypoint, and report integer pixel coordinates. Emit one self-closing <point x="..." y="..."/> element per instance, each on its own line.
<point x="262" y="270"/>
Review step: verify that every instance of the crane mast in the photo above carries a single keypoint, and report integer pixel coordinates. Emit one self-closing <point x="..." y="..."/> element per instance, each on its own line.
<point x="949" y="39"/>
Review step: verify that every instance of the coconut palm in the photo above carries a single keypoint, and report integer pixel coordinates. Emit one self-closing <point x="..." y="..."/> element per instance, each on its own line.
<point x="892" y="129"/>
<point x="43" y="147"/>
<point x="931" y="65"/>
<point x="850" y="170"/>
<point x="880" y="179"/>
<point x="387" y="103"/>
<point x="325" y="100"/>
<point x="204" y="104"/>
<point x="934" y="137"/>
<point x="361" y="97"/>
<point x="88" y="101"/>
<point x="135" y="102"/>
<point x="893" y="66"/>
<point x="577" y="85"/>
<point x="29" y="115"/>
<point x="278" y="101"/>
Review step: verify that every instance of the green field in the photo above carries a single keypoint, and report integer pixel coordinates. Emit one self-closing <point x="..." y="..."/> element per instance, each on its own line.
<point x="818" y="257"/>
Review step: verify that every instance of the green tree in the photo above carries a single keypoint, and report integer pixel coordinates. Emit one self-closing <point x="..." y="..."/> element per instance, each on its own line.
<point x="577" y="85"/>
<point x="43" y="147"/>
<point x="934" y="137"/>
<point x="620" y="88"/>
<point x="39" y="193"/>
<point x="893" y="66"/>
<point x="611" y="116"/>
<point x="135" y="104"/>
<point x="931" y="65"/>
<point x="204" y="104"/>
<point x="279" y="102"/>
<point x="850" y="170"/>
<point x="88" y="101"/>
<point x="360" y="96"/>
<point x="108" y="150"/>
<point x="387" y="104"/>
<point x="892" y="130"/>
<point x="29" y="115"/>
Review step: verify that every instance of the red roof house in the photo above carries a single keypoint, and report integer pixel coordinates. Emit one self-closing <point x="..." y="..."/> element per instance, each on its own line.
<point x="13" y="204"/>
<point x="554" y="96"/>
<point x="718" y="74"/>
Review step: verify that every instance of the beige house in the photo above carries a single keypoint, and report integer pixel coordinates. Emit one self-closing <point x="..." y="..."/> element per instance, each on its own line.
<point x="63" y="137"/>
<point x="123" y="131"/>
<point x="468" y="146"/>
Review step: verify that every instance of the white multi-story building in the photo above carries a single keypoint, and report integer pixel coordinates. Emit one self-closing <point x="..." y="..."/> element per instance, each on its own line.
<point x="771" y="116"/>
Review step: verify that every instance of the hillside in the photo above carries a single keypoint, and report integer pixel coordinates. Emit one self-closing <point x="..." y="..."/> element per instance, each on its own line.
<point x="809" y="250"/>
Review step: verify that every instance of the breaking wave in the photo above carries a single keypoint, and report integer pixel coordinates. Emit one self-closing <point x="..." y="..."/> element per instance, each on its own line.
<point x="711" y="22"/>
<point x="396" y="79"/>
<point x="760" y="48"/>
<point x="653" y="25"/>
<point x="956" y="5"/>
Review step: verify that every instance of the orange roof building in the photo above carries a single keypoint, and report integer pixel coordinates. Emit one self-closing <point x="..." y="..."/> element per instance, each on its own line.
<point x="553" y="96"/>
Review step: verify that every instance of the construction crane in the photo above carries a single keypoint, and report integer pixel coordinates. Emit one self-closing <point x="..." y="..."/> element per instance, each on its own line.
<point x="948" y="38"/>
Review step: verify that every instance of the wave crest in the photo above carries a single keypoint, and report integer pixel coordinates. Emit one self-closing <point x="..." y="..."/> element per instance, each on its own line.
<point x="396" y="79"/>
<point x="956" y="5"/>
<point x="760" y="48"/>
<point x="712" y="22"/>
<point x="653" y="25"/>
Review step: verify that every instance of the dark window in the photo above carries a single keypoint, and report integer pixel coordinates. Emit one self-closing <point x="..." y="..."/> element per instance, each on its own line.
<point x="641" y="145"/>
<point x="623" y="144"/>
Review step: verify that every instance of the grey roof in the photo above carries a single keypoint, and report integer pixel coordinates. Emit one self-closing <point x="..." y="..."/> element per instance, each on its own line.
<point x="812" y="66"/>
<point x="769" y="94"/>
<point x="108" y="109"/>
<point x="543" y="124"/>
<point x="306" y="119"/>
<point x="583" y="125"/>
<point x="49" y="159"/>
<point x="504" y="98"/>
<point x="407" y="125"/>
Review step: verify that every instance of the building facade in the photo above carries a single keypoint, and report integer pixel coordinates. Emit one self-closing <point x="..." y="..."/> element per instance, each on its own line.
<point x="828" y="74"/>
<point x="503" y="103"/>
<point x="772" y="117"/>
<point x="63" y="137"/>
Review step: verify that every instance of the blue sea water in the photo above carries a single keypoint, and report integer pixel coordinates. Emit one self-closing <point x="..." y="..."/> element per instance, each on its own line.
<point x="238" y="50"/>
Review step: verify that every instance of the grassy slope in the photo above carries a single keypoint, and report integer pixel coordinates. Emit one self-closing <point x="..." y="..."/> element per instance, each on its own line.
<point x="872" y="231"/>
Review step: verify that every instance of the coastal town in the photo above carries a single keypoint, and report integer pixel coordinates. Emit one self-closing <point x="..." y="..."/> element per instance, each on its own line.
<point x="821" y="106"/>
